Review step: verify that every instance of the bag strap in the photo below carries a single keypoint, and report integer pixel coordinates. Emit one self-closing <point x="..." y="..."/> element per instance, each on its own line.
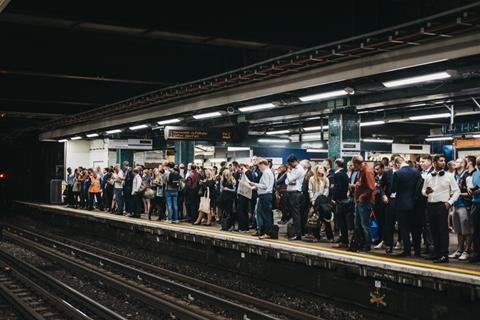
<point x="208" y="192"/>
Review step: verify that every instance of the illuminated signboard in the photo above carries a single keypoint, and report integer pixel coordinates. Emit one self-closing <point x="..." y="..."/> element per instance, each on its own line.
<point x="203" y="134"/>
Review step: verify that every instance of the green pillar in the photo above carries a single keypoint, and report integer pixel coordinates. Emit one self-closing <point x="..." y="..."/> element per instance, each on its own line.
<point x="124" y="155"/>
<point x="343" y="128"/>
<point x="184" y="151"/>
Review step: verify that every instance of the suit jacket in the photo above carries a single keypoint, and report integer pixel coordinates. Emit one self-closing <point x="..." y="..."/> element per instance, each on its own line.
<point x="404" y="184"/>
<point x="340" y="185"/>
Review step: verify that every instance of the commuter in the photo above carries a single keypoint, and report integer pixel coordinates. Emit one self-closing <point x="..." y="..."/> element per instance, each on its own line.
<point x="118" y="188"/>
<point x="318" y="189"/>
<point x="172" y="178"/>
<point x="283" y="194"/>
<point x="243" y="203"/>
<point x="147" y="193"/>
<point x="264" y="206"/>
<point x="390" y="209"/>
<point x="421" y="203"/>
<point x="451" y="165"/>
<point x="474" y="191"/>
<point x="93" y="189"/>
<point x="442" y="191"/>
<point x="328" y="165"/>
<point x="158" y="187"/>
<point x="85" y="180"/>
<point x="404" y="185"/>
<point x="227" y="187"/>
<point x="256" y="174"/>
<point x="192" y="185"/>
<point x="342" y="203"/>
<point x="136" y="194"/>
<point x="364" y="200"/>
<point x="108" y="186"/>
<point x="461" y="215"/>
<point x="70" y="178"/>
<point x="381" y="201"/>
<point x="77" y="186"/>
<point x="294" y="182"/>
<point x="127" y="188"/>
<point x="305" y="204"/>
<point x="208" y="188"/>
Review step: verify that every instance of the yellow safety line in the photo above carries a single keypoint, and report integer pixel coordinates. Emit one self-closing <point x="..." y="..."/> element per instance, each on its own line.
<point x="297" y="244"/>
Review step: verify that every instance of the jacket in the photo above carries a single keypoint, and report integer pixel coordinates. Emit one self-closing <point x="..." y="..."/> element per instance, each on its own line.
<point x="340" y="185"/>
<point x="404" y="185"/>
<point x="365" y="185"/>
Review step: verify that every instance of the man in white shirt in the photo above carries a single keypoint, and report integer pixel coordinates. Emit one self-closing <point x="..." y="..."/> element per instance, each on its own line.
<point x="294" y="183"/>
<point x="118" y="177"/>
<point x="137" y="198"/>
<point x="441" y="191"/>
<point x="264" y="203"/>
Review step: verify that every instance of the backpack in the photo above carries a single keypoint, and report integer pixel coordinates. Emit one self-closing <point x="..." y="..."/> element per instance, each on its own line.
<point x="174" y="180"/>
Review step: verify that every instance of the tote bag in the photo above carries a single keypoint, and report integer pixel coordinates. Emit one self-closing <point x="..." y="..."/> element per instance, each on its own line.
<point x="205" y="202"/>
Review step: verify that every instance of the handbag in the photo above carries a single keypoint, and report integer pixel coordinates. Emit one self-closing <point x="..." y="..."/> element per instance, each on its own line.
<point x="313" y="218"/>
<point x="205" y="202"/>
<point x="149" y="193"/>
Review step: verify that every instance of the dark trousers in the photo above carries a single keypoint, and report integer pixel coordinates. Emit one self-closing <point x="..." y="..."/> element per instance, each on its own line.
<point x="91" y="196"/>
<point x="76" y="196"/>
<point x="253" y="204"/>
<point x="409" y="223"/>
<point x="242" y="212"/>
<point x="264" y="214"/>
<point x="362" y="224"/>
<point x="426" y="226"/>
<point x="294" y="204"/>
<point x="108" y="198"/>
<point x="379" y="210"/>
<point x="475" y="216"/>
<point x="191" y="204"/>
<point x="159" y="206"/>
<point x="137" y="204"/>
<point x="437" y="215"/>
<point x="227" y="212"/>
<point x="341" y="211"/>
<point x="129" y="203"/>
<point x="390" y="218"/>
<point x="304" y="209"/>
<point x="284" y="206"/>
<point x="69" y="195"/>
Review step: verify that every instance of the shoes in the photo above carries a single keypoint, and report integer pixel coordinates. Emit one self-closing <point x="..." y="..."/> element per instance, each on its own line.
<point x="455" y="255"/>
<point x="340" y="245"/>
<point x="282" y="222"/>
<point x="443" y="259"/>
<point x="295" y="238"/>
<point x="176" y="221"/>
<point x="431" y="257"/>
<point x="398" y="246"/>
<point x="389" y="250"/>
<point x="379" y="246"/>
<point x="464" y="257"/>
<point x="403" y="255"/>
<point x="208" y="224"/>
<point x="169" y="221"/>
<point x="265" y="237"/>
<point x="196" y="223"/>
<point x="256" y="234"/>
<point x="365" y="249"/>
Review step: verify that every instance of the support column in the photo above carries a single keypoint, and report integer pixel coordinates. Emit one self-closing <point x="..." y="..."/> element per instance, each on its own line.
<point x="125" y="155"/>
<point x="343" y="128"/>
<point x="184" y="151"/>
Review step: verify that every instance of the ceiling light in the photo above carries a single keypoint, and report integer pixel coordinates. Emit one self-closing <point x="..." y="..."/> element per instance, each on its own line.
<point x="140" y="126"/>
<point x="371" y="123"/>
<point x="418" y="79"/>
<point x="92" y="135"/>
<point x="313" y="118"/>
<point x="278" y="132"/>
<point x="238" y="149"/>
<point x="257" y="107"/>
<point x="431" y="116"/>
<point x="274" y="140"/>
<point x="311" y="137"/>
<point x="316" y="128"/>
<point x="476" y="136"/>
<point x="417" y="65"/>
<point x="317" y="150"/>
<point x="76" y="138"/>
<point x="169" y="121"/>
<point x="378" y="140"/>
<point x="114" y="131"/>
<point x="326" y="95"/>
<point x="63" y="140"/>
<point x="207" y="115"/>
<point x="438" y="138"/>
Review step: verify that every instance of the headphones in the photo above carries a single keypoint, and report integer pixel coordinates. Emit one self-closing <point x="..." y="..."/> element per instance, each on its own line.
<point x="440" y="173"/>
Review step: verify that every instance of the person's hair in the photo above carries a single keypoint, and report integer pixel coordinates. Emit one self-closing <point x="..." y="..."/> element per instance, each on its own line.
<point x="379" y="164"/>
<point x="478" y="161"/>
<point x="223" y="164"/>
<point x="209" y="174"/>
<point x="292" y="158"/>
<point x="235" y="163"/>
<point x="358" y="159"/>
<point x="126" y="163"/>
<point x="451" y="163"/>
<point x="437" y="157"/>
<point x="136" y="171"/>
<point x="426" y="157"/>
<point x="329" y="161"/>
<point x="306" y="163"/>
<point x="471" y="159"/>
<point x="339" y="162"/>
<point x="193" y="167"/>
<point x="393" y="156"/>
<point x="227" y="176"/>
<point x="398" y="160"/>
<point x="171" y="165"/>
<point x="317" y="179"/>
<point x="263" y="161"/>
<point x="385" y="161"/>
<point x="464" y="160"/>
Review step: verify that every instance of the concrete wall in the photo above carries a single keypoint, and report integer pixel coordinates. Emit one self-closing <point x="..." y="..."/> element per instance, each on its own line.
<point x="86" y="153"/>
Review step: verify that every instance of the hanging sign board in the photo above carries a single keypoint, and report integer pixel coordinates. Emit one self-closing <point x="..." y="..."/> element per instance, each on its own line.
<point x="203" y="134"/>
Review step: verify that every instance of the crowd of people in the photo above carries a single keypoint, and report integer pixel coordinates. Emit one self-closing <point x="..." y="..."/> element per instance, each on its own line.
<point x="394" y="204"/>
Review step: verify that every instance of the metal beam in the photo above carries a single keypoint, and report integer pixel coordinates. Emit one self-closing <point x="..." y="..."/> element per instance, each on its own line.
<point x="449" y="48"/>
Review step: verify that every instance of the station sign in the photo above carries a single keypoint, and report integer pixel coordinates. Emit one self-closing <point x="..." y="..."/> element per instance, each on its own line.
<point x="202" y="134"/>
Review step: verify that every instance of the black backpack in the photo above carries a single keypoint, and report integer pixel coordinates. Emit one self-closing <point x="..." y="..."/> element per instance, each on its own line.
<point x="174" y="180"/>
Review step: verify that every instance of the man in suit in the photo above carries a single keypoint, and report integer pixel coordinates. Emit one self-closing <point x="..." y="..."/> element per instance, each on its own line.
<point x="421" y="202"/>
<point x="404" y="186"/>
<point x="381" y="201"/>
<point x="342" y="202"/>
<point x="390" y="203"/>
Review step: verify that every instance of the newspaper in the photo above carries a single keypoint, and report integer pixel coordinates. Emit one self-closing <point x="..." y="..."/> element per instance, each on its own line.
<point x="244" y="188"/>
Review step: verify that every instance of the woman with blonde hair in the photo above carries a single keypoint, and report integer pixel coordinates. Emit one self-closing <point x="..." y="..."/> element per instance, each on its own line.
<point x="227" y="189"/>
<point x="208" y="187"/>
<point x="318" y="188"/>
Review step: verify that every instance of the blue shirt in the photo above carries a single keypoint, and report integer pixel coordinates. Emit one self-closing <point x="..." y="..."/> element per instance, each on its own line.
<point x="70" y="179"/>
<point x="476" y="183"/>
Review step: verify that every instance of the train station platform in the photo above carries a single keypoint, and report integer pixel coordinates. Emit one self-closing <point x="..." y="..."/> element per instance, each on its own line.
<point x="414" y="271"/>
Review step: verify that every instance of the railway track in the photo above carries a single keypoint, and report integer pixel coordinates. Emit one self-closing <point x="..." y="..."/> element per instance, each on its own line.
<point x="122" y="271"/>
<point x="33" y="294"/>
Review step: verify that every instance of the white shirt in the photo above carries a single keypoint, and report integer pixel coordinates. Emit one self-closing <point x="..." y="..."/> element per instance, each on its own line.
<point x="137" y="182"/>
<point x="322" y="190"/>
<point x="118" y="176"/>
<point x="445" y="188"/>
<point x="296" y="178"/>
<point x="265" y="185"/>
<point x="425" y="173"/>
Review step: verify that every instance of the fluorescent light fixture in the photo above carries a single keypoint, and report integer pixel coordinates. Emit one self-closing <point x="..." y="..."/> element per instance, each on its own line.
<point x="92" y="135"/>
<point x="315" y="128"/>
<point x="114" y="131"/>
<point x="207" y="115"/>
<point x="140" y="126"/>
<point x="238" y="148"/>
<point x="431" y="116"/>
<point x="216" y="160"/>
<point x="313" y="118"/>
<point x="476" y="136"/>
<point x="371" y="123"/>
<point x="169" y="121"/>
<point x="278" y="132"/>
<point x="76" y="138"/>
<point x="326" y="95"/>
<point x="417" y="65"/>
<point x="378" y="140"/>
<point x="63" y="140"/>
<point x="317" y="150"/>
<point x="274" y="141"/>
<point x="418" y="79"/>
<point x="311" y="137"/>
<point x="257" y="107"/>
<point x="439" y="138"/>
